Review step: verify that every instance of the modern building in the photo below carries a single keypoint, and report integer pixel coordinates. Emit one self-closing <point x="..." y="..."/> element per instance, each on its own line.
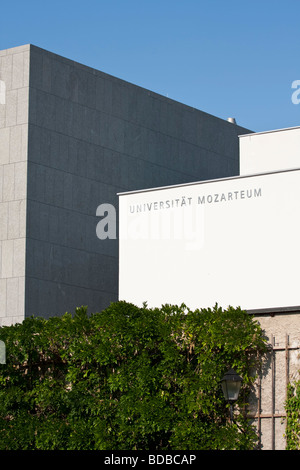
<point x="71" y="138"/>
<point x="232" y="241"/>
<point x="205" y="205"/>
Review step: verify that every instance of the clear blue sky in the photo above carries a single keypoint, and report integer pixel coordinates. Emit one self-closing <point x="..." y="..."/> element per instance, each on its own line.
<point x="231" y="58"/>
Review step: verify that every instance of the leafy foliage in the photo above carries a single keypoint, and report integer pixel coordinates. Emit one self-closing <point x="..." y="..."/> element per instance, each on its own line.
<point x="292" y="407"/>
<point x="127" y="378"/>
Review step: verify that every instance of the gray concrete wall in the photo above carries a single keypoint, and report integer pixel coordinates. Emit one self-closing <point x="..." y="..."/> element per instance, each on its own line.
<point x="14" y="83"/>
<point x="90" y="136"/>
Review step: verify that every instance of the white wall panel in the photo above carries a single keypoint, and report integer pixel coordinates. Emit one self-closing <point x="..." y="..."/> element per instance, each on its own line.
<point x="270" y="151"/>
<point x="234" y="242"/>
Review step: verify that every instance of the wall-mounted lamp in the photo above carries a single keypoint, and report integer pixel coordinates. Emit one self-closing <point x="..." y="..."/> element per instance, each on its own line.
<point x="231" y="385"/>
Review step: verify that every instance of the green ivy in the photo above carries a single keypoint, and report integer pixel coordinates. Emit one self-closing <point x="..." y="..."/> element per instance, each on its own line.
<point x="127" y="378"/>
<point x="292" y="407"/>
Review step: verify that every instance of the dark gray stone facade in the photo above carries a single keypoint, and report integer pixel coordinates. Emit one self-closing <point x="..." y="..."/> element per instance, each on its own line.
<point x="71" y="138"/>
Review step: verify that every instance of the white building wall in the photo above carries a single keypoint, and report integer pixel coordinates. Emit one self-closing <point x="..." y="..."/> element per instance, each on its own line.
<point x="233" y="241"/>
<point x="270" y="151"/>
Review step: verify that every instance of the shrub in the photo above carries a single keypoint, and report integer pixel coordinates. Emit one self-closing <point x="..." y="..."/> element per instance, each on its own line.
<point x="127" y="378"/>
